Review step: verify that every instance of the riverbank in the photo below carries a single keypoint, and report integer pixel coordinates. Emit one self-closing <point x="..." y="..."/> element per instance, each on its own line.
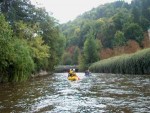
<point x="41" y="73"/>
<point x="65" y="68"/>
<point x="137" y="63"/>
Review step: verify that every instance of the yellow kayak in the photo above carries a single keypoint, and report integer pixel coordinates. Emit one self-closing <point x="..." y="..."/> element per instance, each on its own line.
<point x="73" y="78"/>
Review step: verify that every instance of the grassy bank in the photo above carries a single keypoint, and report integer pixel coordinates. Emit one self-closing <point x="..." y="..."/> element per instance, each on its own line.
<point x="137" y="63"/>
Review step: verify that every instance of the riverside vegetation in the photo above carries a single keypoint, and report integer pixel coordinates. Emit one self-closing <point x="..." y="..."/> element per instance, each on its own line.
<point x="136" y="63"/>
<point x="109" y="30"/>
<point x="32" y="40"/>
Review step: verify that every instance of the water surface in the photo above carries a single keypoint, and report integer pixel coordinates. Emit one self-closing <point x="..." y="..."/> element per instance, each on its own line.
<point x="100" y="93"/>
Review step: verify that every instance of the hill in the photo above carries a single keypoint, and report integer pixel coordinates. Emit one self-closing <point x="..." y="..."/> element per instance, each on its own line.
<point x="116" y="27"/>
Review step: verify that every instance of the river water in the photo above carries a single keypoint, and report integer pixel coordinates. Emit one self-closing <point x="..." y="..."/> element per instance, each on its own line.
<point x="100" y="93"/>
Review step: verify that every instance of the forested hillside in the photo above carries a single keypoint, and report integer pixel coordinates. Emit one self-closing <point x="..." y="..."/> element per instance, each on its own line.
<point x="108" y="30"/>
<point x="29" y="40"/>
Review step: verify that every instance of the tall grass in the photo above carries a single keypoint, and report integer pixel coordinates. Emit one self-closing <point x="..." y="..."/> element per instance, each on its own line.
<point x="137" y="63"/>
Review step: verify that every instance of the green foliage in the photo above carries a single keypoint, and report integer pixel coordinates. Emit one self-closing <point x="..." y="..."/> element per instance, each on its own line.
<point x="90" y="53"/>
<point x="145" y="9"/>
<point x="140" y="11"/>
<point x="119" y="19"/>
<point x="137" y="63"/>
<point x="108" y="33"/>
<point x="23" y="63"/>
<point x="23" y="30"/>
<point x="75" y="56"/>
<point x="106" y="20"/>
<point x="82" y="64"/>
<point x="51" y="36"/>
<point x="70" y="57"/>
<point x="6" y="46"/>
<point x="34" y="36"/>
<point x="16" y="63"/>
<point x="15" y="10"/>
<point x="61" y="44"/>
<point x="119" y="39"/>
<point x="144" y="23"/>
<point x="39" y="52"/>
<point x="133" y="31"/>
<point x="37" y="21"/>
<point x="66" y="59"/>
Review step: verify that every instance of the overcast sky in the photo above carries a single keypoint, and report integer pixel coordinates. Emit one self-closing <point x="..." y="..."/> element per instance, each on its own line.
<point x="65" y="10"/>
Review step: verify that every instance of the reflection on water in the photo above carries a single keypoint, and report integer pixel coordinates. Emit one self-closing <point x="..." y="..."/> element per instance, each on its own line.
<point x="100" y="93"/>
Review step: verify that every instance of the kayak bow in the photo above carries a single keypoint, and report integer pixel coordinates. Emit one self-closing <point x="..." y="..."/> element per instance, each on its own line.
<point x="73" y="78"/>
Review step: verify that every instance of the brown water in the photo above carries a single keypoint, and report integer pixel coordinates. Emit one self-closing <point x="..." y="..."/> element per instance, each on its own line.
<point x="100" y="93"/>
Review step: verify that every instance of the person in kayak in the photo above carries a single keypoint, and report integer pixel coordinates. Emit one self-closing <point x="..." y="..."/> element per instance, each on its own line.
<point x="87" y="73"/>
<point x="72" y="75"/>
<point x="71" y="72"/>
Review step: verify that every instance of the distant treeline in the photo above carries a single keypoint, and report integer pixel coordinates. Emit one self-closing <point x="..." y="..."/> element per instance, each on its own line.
<point x="65" y="68"/>
<point x="30" y="40"/>
<point x="115" y="28"/>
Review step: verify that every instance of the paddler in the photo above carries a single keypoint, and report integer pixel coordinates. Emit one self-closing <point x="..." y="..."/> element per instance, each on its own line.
<point x="71" y="72"/>
<point x="72" y="75"/>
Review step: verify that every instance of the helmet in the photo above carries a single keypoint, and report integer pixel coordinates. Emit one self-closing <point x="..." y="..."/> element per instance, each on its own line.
<point x="70" y="71"/>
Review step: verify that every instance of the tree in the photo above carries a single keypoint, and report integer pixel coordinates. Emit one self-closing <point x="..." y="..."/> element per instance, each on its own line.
<point x="75" y="56"/>
<point x="141" y="11"/>
<point x="23" y="65"/>
<point x="133" y="31"/>
<point x="86" y="27"/>
<point x="66" y="59"/>
<point x="107" y="32"/>
<point x="38" y="49"/>
<point x="81" y="62"/>
<point x="119" y="19"/>
<point x="144" y="23"/>
<point x="16" y="63"/>
<point x="90" y="50"/>
<point x="50" y="34"/>
<point x="15" y="10"/>
<point x="119" y="39"/>
<point x="146" y="9"/>
<point x="6" y="44"/>
<point x="39" y="52"/>
<point x="47" y="26"/>
<point x="136" y="10"/>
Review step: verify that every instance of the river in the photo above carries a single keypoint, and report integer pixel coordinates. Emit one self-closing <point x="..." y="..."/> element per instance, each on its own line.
<point x="100" y="93"/>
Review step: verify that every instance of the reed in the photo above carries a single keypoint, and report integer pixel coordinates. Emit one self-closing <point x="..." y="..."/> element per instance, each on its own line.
<point x="136" y="63"/>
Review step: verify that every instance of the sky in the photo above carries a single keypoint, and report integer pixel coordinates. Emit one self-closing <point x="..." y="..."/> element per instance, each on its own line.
<point x="68" y="10"/>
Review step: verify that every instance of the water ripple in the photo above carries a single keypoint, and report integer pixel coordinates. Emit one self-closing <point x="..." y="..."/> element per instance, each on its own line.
<point x="100" y="93"/>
